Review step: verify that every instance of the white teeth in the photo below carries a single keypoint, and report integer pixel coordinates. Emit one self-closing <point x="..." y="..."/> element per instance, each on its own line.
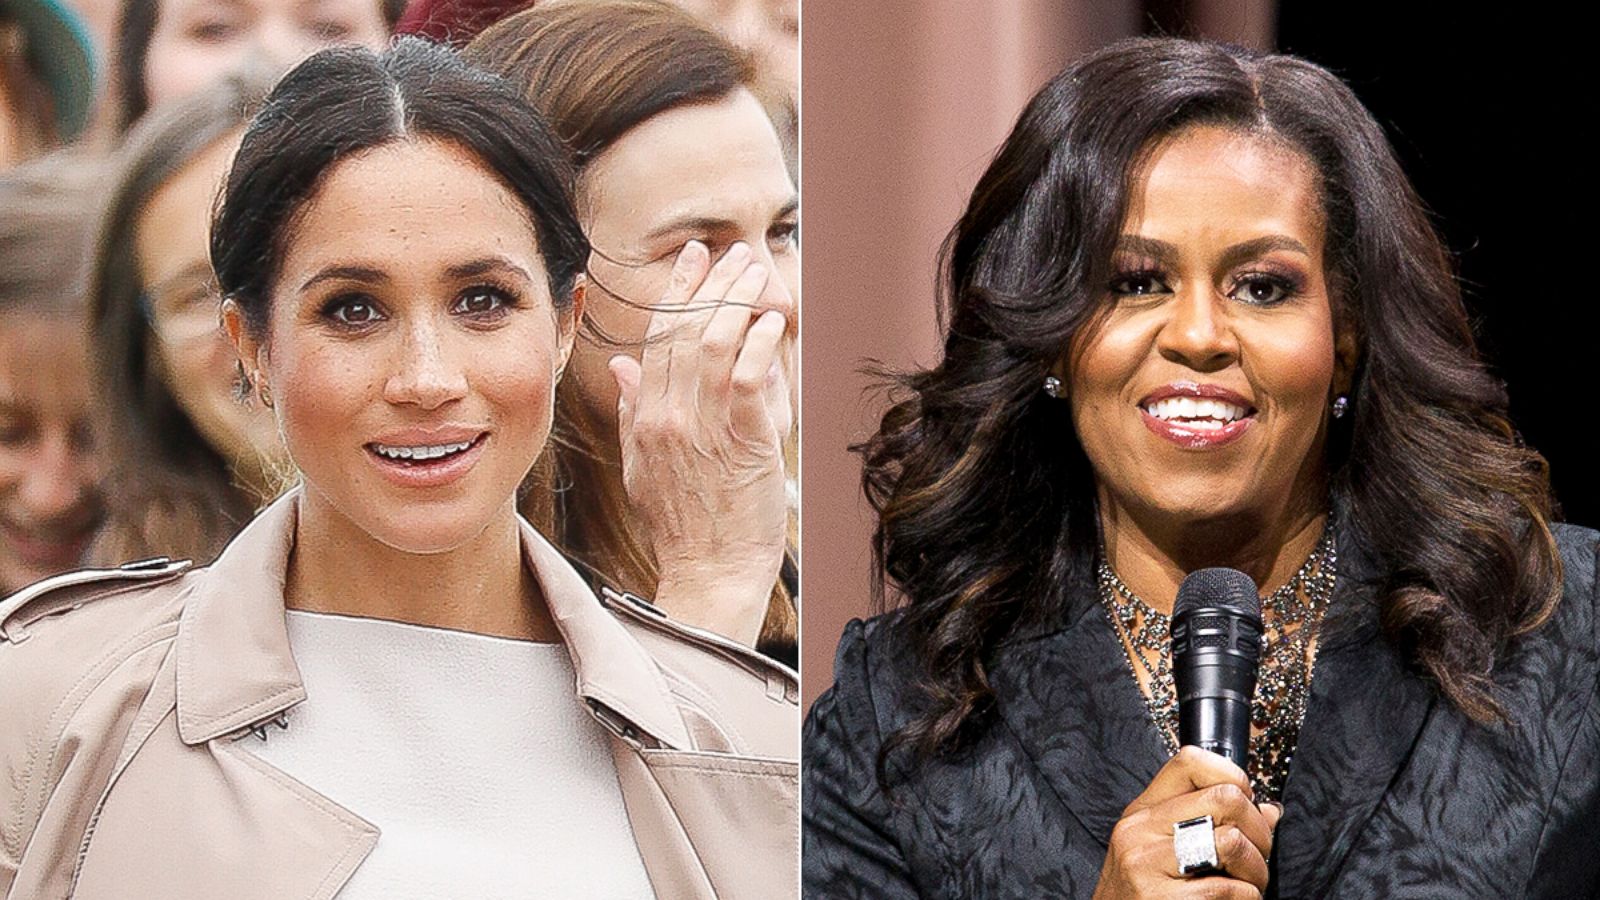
<point x="433" y="451"/>
<point x="1203" y="412"/>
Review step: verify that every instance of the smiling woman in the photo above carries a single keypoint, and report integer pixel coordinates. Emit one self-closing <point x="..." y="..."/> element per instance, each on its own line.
<point x="389" y="684"/>
<point x="1198" y="318"/>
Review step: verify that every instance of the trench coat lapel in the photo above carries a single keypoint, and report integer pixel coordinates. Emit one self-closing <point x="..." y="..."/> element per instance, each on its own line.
<point x="265" y="833"/>
<point x="234" y="663"/>
<point x="613" y="670"/>
<point x="235" y="670"/>
<point x="1071" y="701"/>
<point x="1365" y="714"/>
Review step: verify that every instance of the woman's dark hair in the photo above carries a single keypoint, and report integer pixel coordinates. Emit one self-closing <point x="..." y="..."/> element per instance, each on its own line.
<point x="169" y="492"/>
<point x="596" y="69"/>
<point x="983" y="492"/>
<point x="342" y="102"/>
<point x="137" y="25"/>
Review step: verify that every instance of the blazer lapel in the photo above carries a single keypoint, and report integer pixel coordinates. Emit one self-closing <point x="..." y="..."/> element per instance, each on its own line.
<point x="1071" y="701"/>
<point x="1365" y="713"/>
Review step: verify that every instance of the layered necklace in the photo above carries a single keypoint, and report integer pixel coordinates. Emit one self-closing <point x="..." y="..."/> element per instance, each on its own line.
<point x="1291" y="617"/>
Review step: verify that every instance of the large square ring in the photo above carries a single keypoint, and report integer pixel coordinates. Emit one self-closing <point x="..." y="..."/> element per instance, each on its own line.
<point x="1195" y="843"/>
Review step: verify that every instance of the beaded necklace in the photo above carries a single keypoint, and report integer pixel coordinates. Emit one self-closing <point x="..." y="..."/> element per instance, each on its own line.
<point x="1291" y="617"/>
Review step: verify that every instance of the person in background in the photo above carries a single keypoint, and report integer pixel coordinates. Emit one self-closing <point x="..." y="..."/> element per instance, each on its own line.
<point x="188" y="462"/>
<point x="669" y="468"/>
<point x="768" y="29"/>
<point x="49" y="497"/>
<point x="47" y="71"/>
<point x="99" y="18"/>
<point x="167" y="49"/>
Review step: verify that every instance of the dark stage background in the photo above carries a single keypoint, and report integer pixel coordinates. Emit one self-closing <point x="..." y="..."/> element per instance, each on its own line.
<point x="1489" y="113"/>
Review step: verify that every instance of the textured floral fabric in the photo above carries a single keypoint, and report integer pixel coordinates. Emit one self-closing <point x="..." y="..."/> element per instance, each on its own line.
<point x="1392" y="793"/>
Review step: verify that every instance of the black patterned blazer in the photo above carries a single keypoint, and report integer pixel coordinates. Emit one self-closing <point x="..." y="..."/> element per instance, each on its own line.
<point x="1391" y="793"/>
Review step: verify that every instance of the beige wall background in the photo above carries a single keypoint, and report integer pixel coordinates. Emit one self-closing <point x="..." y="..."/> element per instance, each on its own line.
<point x="903" y="103"/>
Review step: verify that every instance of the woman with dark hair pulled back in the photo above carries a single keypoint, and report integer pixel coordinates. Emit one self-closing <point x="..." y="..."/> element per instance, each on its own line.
<point x="389" y="684"/>
<point x="1197" y="316"/>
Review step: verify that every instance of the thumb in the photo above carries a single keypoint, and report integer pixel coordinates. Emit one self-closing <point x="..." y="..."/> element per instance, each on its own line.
<point x="627" y="373"/>
<point x="1272" y="812"/>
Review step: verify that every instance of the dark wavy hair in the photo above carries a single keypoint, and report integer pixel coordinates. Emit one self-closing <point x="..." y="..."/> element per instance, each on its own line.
<point x="983" y="493"/>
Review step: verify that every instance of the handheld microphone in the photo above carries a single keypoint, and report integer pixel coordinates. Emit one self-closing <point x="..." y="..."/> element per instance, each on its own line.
<point x="1216" y="651"/>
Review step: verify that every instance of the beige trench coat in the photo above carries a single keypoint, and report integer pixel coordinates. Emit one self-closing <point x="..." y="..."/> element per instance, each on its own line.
<point x="124" y="694"/>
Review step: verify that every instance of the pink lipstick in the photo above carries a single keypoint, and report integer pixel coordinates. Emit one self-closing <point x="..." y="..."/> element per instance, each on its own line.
<point x="1196" y="416"/>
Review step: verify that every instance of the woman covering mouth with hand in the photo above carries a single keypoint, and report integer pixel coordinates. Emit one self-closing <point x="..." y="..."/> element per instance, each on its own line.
<point x="678" y="416"/>
<point x="371" y="692"/>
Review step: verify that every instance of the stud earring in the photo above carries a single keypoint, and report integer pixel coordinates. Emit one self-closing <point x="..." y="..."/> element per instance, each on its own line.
<point x="1053" y="388"/>
<point x="1341" y="403"/>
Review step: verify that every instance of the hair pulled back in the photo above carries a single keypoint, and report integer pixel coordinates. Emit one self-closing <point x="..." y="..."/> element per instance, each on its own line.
<point x="343" y="102"/>
<point x="596" y="70"/>
<point x="982" y="489"/>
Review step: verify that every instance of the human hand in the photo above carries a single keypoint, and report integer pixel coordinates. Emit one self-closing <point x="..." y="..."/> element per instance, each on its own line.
<point x="702" y="417"/>
<point x="1140" y="861"/>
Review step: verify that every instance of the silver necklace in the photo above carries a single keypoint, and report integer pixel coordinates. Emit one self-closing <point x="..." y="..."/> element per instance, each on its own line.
<point x="1291" y="618"/>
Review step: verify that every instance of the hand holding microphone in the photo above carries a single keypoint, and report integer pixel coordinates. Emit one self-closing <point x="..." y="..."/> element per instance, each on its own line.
<point x="1216" y="650"/>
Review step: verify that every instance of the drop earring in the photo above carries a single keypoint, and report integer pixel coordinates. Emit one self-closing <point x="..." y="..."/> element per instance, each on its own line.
<point x="1053" y="387"/>
<point x="1341" y="403"/>
<point x="264" y="392"/>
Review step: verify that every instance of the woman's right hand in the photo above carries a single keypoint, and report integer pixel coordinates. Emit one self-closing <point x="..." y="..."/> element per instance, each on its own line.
<point x="1141" y="861"/>
<point x="702" y="416"/>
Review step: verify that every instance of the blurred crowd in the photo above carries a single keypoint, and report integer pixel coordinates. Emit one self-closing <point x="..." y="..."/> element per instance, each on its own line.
<point x="124" y="433"/>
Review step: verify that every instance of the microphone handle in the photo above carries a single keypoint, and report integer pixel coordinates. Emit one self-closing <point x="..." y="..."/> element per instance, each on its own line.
<point x="1217" y="720"/>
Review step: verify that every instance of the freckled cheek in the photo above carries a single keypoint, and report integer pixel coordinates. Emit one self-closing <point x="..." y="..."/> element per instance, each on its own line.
<point x="324" y="399"/>
<point x="518" y="386"/>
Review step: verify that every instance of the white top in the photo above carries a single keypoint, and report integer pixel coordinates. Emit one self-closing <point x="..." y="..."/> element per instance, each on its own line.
<point x="472" y="755"/>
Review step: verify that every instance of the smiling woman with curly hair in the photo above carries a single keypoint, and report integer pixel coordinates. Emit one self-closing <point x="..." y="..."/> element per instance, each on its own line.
<point x="1197" y="317"/>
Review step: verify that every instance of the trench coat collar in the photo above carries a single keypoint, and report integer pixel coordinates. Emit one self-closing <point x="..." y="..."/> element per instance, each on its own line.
<point x="1069" y="698"/>
<point x="235" y="668"/>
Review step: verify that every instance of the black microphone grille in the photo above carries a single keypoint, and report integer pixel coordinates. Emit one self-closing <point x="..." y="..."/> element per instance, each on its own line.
<point x="1229" y="588"/>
